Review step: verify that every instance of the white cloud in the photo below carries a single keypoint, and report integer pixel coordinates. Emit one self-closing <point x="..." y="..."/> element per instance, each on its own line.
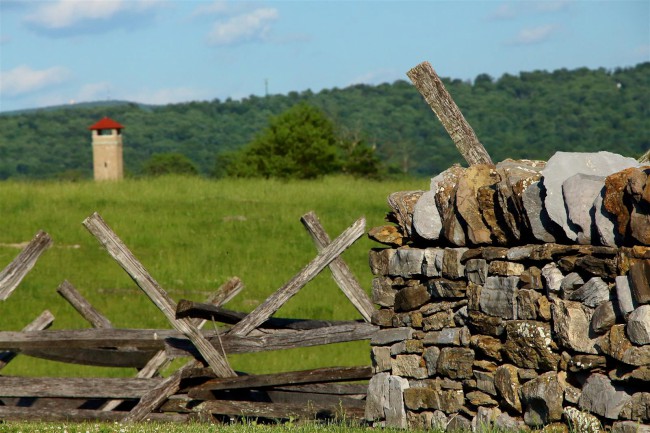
<point x="24" y="79"/>
<point x="63" y="14"/>
<point x="216" y="7"/>
<point x="534" y="35"/>
<point x="503" y="12"/>
<point x="246" y="27"/>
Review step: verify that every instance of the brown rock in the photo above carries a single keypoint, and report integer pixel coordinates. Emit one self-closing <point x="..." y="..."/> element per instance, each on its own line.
<point x="410" y="298"/>
<point x="481" y="323"/>
<point x="486" y="197"/>
<point x="630" y="427"/>
<point x="639" y="278"/>
<point x="452" y="267"/>
<point x="485" y="381"/>
<point x="506" y="382"/>
<point x="637" y="408"/>
<point x="383" y="317"/>
<point x="505" y="269"/>
<point x="613" y="200"/>
<point x="487" y="346"/>
<point x="527" y="305"/>
<point x="531" y="278"/>
<point x="494" y="253"/>
<point x="478" y="398"/>
<point x="388" y="235"/>
<point x="604" y="268"/>
<point x="442" y="288"/>
<point x="455" y="362"/>
<point x="624" y="373"/>
<point x="446" y="400"/>
<point x="474" y="177"/>
<point x="542" y="399"/>
<point x="586" y="363"/>
<point x="402" y="203"/>
<point x="379" y="259"/>
<point x="529" y="345"/>
<point x="437" y="321"/>
<point x="409" y="366"/>
<point x="619" y="347"/>
<point x="604" y="318"/>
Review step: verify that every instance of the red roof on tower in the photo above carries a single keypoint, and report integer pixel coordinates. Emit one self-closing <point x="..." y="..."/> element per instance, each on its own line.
<point x="106" y="123"/>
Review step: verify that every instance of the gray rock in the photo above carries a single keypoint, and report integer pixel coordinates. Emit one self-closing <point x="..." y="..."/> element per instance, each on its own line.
<point x="605" y="223"/>
<point x="391" y="335"/>
<point x="383" y="292"/>
<point x="485" y="382"/>
<point x="604" y="317"/>
<point x="505" y="422"/>
<point x="563" y="165"/>
<point x="406" y="262"/>
<point x="592" y="293"/>
<point x="476" y="271"/>
<point x="426" y="218"/>
<point x="580" y="192"/>
<point x="430" y="356"/>
<point x="485" y="419"/>
<point x="542" y="399"/>
<point x="571" y="326"/>
<point x="624" y="294"/>
<point x="377" y="399"/>
<point x="380" y="356"/>
<point x="448" y="337"/>
<point x="637" y="408"/>
<point x="570" y="283"/>
<point x="541" y="225"/>
<point x="519" y="253"/>
<point x="552" y="277"/>
<point x="395" y="412"/>
<point x="499" y="297"/>
<point x="630" y="427"/>
<point x="432" y="262"/>
<point x="458" y="423"/>
<point x="599" y="396"/>
<point x="638" y="325"/>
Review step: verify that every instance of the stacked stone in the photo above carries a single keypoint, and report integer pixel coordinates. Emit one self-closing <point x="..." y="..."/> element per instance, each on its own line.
<point x="501" y="331"/>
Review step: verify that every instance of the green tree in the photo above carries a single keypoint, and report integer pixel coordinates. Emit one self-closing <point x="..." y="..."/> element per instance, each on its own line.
<point x="300" y="143"/>
<point x="169" y="163"/>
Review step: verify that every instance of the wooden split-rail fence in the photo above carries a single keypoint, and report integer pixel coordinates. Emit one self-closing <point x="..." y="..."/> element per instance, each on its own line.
<point x="205" y="387"/>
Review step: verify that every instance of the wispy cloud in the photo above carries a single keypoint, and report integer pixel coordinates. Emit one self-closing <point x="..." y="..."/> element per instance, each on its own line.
<point x="23" y="79"/>
<point x="67" y="17"/>
<point x="504" y="11"/>
<point x="534" y="35"/>
<point x="247" y="27"/>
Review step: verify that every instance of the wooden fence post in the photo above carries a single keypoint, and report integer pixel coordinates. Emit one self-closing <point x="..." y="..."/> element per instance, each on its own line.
<point x="283" y="294"/>
<point x="433" y="90"/>
<point x="119" y="251"/>
<point x="13" y="274"/>
<point x="340" y="270"/>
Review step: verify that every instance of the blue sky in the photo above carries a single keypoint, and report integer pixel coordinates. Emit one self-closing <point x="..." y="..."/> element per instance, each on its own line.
<point x="161" y="51"/>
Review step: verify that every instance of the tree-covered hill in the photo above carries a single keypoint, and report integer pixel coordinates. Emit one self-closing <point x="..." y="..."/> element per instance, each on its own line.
<point x="531" y="115"/>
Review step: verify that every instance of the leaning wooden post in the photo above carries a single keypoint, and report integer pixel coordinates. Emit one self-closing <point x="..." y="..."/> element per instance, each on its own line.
<point x="433" y="90"/>
<point x="119" y="251"/>
<point x="13" y="274"/>
<point x="340" y="270"/>
<point x="284" y="293"/>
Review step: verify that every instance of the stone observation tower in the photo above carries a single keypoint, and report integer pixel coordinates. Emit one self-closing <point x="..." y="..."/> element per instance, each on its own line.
<point x="107" y="149"/>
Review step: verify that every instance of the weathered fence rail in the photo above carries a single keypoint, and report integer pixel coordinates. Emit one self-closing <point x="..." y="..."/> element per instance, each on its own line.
<point x="206" y="387"/>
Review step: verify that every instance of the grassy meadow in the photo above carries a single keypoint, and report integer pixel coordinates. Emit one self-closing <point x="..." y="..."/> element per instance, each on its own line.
<point x="192" y="234"/>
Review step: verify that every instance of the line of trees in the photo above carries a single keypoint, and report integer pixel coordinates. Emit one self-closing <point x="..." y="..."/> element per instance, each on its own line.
<point x="363" y="130"/>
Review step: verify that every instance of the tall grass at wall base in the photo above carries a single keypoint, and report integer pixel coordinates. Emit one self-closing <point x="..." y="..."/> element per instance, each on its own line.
<point x="192" y="235"/>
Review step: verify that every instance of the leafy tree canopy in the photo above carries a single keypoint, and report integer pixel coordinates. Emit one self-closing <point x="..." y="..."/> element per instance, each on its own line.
<point x="301" y="143"/>
<point x="169" y="163"/>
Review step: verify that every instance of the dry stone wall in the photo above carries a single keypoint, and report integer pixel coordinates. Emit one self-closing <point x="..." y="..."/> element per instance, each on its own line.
<point x="518" y="296"/>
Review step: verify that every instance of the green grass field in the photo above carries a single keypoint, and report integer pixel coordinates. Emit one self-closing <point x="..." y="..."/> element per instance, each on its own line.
<point x="192" y="235"/>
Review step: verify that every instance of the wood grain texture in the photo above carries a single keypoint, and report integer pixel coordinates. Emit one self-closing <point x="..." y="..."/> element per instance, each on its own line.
<point x="13" y="274"/>
<point x="433" y="90"/>
<point x="340" y="270"/>
<point x="118" y="250"/>
<point x="283" y="294"/>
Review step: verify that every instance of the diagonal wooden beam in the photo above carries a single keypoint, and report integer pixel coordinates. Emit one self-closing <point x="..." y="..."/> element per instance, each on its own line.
<point x="14" y="273"/>
<point x="43" y="321"/>
<point x="83" y="307"/>
<point x="119" y="251"/>
<point x="340" y="271"/>
<point x="433" y="90"/>
<point x="283" y="294"/>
